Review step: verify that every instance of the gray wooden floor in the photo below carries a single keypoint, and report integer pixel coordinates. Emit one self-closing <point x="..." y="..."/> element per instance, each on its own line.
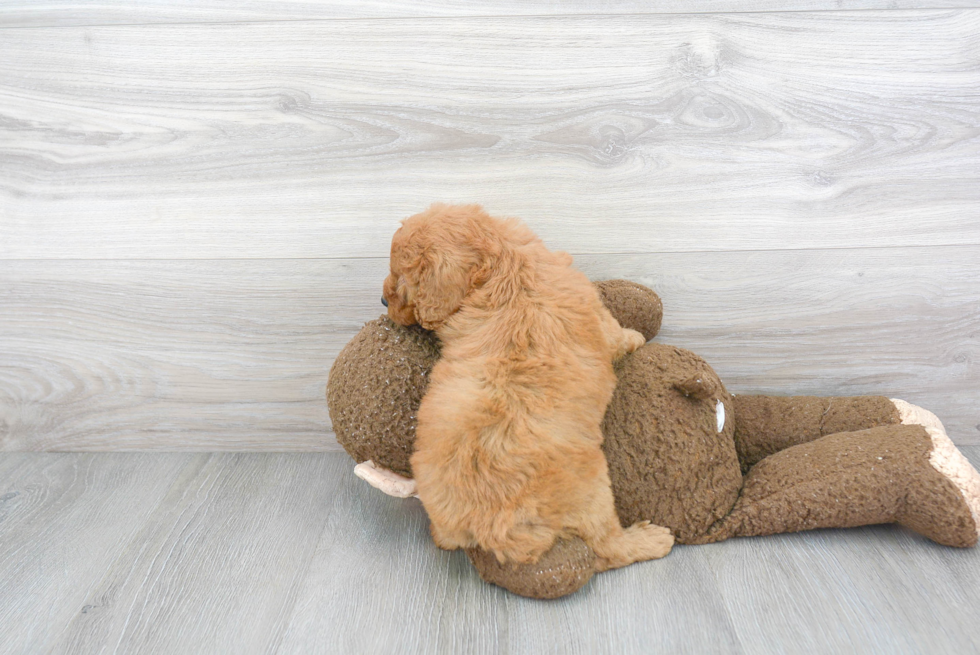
<point x="290" y="553"/>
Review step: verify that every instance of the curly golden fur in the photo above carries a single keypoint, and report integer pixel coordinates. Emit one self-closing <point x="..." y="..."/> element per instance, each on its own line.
<point x="507" y="451"/>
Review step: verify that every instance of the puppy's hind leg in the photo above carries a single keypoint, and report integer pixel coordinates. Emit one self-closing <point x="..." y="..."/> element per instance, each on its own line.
<point x="524" y="541"/>
<point x="450" y="538"/>
<point x="614" y="546"/>
<point x="638" y="543"/>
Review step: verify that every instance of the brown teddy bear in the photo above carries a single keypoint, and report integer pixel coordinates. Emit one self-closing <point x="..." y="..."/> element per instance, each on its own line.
<point x="682" y="451"/>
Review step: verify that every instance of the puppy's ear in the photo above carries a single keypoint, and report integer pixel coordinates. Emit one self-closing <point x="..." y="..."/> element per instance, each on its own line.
<point x="443" y="283"/>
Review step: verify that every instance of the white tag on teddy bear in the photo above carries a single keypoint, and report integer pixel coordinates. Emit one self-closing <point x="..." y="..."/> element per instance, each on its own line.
<point x="720" y="415"/>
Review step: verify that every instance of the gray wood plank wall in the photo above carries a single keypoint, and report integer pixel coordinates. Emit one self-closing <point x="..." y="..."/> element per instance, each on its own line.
<point x="43" y="13"/>
<point x="196" y="202"/>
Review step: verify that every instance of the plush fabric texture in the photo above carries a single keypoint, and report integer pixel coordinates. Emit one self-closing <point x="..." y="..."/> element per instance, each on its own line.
<point x="635" y="306"/>
<point x="809" y="462"/>
<point x="374" y="391"/>
<point x="565" y="568"/>
<point x="768" y="424"/>
<point x="667" y="461"/>
<point x="945" y="457"/>
<point x="377" y="381"/>
<point x="881" y="475"/>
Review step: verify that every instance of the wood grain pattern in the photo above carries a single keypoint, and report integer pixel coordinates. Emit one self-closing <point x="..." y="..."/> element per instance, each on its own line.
<point x="877" y="587"/>
<point x="377" y="583"/>
<point x="679" y="609"/>
<point x="290" y="553"/>
<point x="897" y="322"/>
<point x="223" y="559"/>
<point x="430" y="600"/>
<point x="175" y="355"/>
<point x="234" y="355"/>
<point x="41" y="13"/>
<point x="63" y="521"/>
<point x="607" y="134"/>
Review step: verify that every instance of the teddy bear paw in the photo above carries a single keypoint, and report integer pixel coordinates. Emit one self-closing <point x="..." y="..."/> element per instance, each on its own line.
<point x="945" y="457"/>
<point x="387" y="481"/>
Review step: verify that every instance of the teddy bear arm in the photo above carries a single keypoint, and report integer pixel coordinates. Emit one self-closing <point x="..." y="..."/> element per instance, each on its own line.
<point x="634" y="306"/>
<point x="765" y="425"/>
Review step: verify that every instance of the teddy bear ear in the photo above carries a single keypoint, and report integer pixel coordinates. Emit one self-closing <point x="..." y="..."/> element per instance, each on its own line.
<point x="635" y="306"/>
<point x="697" y="386"/>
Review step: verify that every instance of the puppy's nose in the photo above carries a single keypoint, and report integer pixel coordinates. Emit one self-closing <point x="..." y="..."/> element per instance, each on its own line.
<point x="384" y="301"/>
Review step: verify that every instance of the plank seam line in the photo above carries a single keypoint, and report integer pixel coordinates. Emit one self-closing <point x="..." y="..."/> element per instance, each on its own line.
<point x="624" y="253"/>
<point x="882" y="10"/>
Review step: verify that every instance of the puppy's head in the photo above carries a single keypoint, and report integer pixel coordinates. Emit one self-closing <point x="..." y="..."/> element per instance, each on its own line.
<point x="438" y="258"/>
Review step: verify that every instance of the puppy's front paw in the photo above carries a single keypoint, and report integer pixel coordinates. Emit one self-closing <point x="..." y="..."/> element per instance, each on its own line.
<point x="633" y="339"/>
<point x="629" y="341"/>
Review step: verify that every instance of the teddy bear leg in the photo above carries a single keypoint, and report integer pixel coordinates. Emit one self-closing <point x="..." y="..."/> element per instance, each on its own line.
<point x="905" y="474"/>
<point x="945" y="457"/>
<point x="768" y="424"/>
<point x="562" y="570"/>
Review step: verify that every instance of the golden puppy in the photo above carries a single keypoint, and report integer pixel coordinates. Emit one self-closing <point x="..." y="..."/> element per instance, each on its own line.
<point x="507" y="451"/>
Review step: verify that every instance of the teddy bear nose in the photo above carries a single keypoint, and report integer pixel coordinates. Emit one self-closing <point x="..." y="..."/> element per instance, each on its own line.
<point x="384" y="301"/>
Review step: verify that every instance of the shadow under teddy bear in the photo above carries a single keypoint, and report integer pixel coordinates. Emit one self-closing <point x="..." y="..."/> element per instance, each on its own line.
<point x="682" y="451"/>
